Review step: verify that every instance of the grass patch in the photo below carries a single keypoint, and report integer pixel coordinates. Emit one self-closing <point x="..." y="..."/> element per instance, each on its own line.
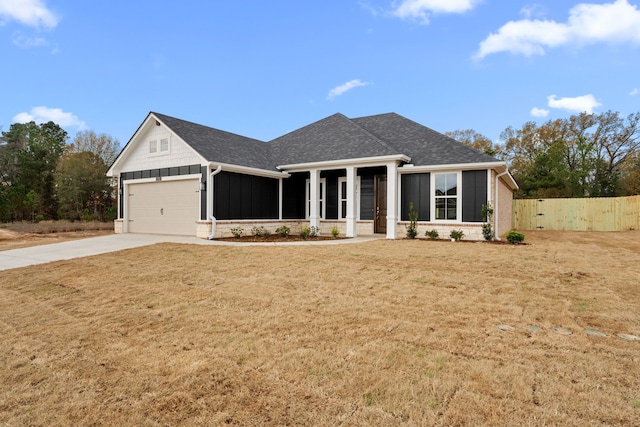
<point x="358" y="335"/>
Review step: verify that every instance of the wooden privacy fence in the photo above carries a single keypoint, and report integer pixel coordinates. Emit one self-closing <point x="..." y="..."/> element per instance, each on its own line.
<point x="591" y="214"/>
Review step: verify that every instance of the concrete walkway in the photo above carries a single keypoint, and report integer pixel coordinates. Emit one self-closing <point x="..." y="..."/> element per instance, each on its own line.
<point x="42" y="254"/>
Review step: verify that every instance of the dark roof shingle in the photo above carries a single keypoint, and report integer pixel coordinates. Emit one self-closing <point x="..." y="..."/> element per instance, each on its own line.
<point x="220" y="146"/>
<point x="333" y="138"/>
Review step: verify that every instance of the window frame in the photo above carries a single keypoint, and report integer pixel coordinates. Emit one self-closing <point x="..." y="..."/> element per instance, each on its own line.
<point x="160" y="150"/>
<point x="155" y="146"/>
<point x="457" y="197"/>
<point x="342" y="198"/>
<point x="323" y="198"/>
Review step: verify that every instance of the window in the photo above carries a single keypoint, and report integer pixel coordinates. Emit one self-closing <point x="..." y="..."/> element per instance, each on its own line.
<point x="446" y="196"/>
<point x="342" y="198"/>
<point x="162" y="148"/>
<point x="321" y="195"/>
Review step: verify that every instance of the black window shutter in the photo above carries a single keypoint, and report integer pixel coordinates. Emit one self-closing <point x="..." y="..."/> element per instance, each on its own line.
<point x="474" y="195"/>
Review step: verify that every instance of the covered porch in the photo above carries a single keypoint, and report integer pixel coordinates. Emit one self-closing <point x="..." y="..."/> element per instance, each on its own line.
<point x="354" y="195"/>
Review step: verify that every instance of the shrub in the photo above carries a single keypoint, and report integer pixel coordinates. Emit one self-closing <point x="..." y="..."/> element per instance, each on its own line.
<point x="456" y="235"/>
<point x="514" y="237"/>
<point x="283" y="230"/>
<point x="335" y="232"/>
<point x="112" y="213"/>
<point x="237" y="232"/>
<point x="412" y="228"/>
<point x="258" y="231"/>
<point x="432" y="234"/>
<point x="487" y="229"/>
<point x="306" y="231"/>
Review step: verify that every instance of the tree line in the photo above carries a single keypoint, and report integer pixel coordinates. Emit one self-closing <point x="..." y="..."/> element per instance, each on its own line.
<point x="42" y="176"/>
<point x="585" y="155"/>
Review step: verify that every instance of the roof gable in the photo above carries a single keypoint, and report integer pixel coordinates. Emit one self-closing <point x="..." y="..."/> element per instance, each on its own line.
<point x="333" y="138"/>
<point x="221" y="146"/>
<point x="424" y="145"/>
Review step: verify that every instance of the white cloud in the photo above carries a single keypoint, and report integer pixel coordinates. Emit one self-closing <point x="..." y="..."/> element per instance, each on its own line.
<point x="532" y="10"/>
<point x="46" y="114"/>
<point x="579" y="104"/>
<point x="422" y="9"/>
<point x="28" y="42"/>
<point x="539" y="112"/>
<point x="339" y="90"/>
<point x="33" y="13"/>
<point x="634" y="92"/>
<point x="616" y="22"/>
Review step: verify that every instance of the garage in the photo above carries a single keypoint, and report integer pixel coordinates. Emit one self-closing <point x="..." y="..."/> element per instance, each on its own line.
<point x="164" y="207"/>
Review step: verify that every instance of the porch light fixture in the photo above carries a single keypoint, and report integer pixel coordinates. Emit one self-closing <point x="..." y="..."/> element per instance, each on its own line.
<point x="203" y="186"/>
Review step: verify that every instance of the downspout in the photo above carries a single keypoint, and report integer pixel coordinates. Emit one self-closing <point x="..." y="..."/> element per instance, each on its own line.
<point x="213" y="218"/>
<point x="495" y="209"/>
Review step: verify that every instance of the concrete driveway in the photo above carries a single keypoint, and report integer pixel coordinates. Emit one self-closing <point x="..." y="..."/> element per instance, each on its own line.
<point x="42" y="254"/>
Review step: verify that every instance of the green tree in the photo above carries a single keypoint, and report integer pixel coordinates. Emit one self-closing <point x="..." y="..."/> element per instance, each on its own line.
<point x="83" y="189"/>
<point x="476" y="140"/>
<point x="582" y="156"/>
<point x="630" y="175"/>
<point x="28" y="160"/>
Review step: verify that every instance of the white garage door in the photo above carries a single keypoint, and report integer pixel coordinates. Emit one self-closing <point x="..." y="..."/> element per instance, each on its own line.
<point x="164" y="207"/>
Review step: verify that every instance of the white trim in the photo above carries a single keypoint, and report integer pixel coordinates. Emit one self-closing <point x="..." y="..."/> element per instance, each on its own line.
<point x="499" y="167"/>
<point x="114" y="170"/>
<point x="246" y="170"/>
<point x="358" y="187"/>
<point x="409" y="168"/>
<point x="341" y="163"/>
<point x="342" y="197"/>
<point x="458" y="197"/>
<point x="392" y="200"/>
<point x="322" y="197"/>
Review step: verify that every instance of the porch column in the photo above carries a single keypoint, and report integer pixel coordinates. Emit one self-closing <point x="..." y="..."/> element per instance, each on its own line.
<point x="352" y="212"/>
<point x="314" y="198"/>
<point x="392" y="199"/>
<point x="280" y="187"/>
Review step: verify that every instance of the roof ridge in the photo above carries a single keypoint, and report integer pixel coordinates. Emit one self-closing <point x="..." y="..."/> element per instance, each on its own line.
<point x="383" y="142"/>
<point x="160" y="115"/>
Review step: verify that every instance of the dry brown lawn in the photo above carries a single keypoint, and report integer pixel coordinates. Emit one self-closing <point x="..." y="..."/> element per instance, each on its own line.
<point x="24" y="234"/>
<point x="375" y="334"/>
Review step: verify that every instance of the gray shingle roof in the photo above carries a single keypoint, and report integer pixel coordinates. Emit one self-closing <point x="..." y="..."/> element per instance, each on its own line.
<point x="424" y="145"/>
<point x="220" y="146"/>
<point x="333" y="138"/>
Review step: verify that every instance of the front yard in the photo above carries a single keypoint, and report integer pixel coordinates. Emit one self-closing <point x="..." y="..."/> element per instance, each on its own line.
<point x="376" y="334"/>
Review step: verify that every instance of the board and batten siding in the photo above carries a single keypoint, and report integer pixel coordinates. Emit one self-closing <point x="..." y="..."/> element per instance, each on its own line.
<point x="140" y="159"/>
<point x="584" y="214"/>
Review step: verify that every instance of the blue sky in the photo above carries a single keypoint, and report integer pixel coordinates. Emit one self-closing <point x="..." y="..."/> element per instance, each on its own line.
<point x="264" y="68"/>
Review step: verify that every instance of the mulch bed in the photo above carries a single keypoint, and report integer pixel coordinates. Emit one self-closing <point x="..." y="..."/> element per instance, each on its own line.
<point x="278" y="238"/>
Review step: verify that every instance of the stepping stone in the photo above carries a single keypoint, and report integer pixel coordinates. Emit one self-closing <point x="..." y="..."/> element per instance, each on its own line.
<point x="505" y="328"/>
<point x="534" y="328"/>
<point x="595" y="332"/>
<point x="562" y="331"/>
<point x="629" y="337"/>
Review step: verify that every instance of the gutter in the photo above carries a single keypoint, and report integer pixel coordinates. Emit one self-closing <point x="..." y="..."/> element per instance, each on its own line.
<point x="496" y="215"/>
<point x="210" y="198"/>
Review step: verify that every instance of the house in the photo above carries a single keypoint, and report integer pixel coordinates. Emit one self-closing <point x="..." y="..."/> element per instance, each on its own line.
<point x="360" y="175"/>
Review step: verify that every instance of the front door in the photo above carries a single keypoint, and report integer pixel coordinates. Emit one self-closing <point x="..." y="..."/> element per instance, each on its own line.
<point x="380" y="197"/>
